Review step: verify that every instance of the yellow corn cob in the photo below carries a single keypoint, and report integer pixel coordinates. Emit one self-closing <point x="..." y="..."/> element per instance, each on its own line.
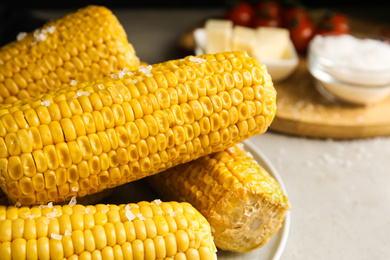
<point x="156" y="230"/>
<point x="102" y="134"/>
<point x="244" y="205"/>
<point x="81" y="46"/>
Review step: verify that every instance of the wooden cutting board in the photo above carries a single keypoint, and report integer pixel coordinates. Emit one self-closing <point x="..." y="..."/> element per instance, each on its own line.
<point x="303" y="111"/>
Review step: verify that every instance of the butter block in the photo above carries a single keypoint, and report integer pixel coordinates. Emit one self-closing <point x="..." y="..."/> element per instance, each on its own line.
<point x="219" y="35"/>
<point x="243" y="39"/>
<point x="271" y="43"/>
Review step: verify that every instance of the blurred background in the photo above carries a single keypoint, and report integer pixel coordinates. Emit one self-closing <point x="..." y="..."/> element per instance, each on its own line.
<point x="17" y="16"/>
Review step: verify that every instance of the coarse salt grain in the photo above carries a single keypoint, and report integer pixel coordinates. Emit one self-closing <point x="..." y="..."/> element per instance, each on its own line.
<point x="68" y="233"/>
<point x="198" y="61"/>
<point x="86" y="93"/>
<point x="51" y="29"/>
<point x="87" y="210"/>
<point x="114" y="76"/>
<point x="73" y="201"/>
<point x="75" y="188"/>
<point x="129" y="215"/>
<point x="146" y="70"/>
<point x="21" y="36"/>
<point x="52" y="214"/>
<point x="50" y="205"/>
<point x="73" y="82"/>
<point x="56" y="236"/>
<point x="122" y="73"/>
<point x="41" y="37"/>
<point x="45" y="103"/>
<point x="157" y="201"/>
<point x="140" y="217"/>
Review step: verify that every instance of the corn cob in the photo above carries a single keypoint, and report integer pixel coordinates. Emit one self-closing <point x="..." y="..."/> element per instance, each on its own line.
<point x="81" y="46"/>
<point x="98" y="135"/>
<point x="146" y="230"/>
<point x="244" y="205"/>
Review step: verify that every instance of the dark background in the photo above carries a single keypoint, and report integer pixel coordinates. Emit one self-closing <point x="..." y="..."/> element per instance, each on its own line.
<point x="15" y="16"/>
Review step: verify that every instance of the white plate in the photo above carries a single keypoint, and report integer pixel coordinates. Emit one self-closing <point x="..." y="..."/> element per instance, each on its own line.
<point x="274" y="248"/>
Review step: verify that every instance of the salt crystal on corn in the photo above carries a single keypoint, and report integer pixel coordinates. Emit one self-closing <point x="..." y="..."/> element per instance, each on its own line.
<point x="45" y="103"/>
<point x="21" y="36"/>
<point x="41" y="37"/>
<point x="86" y="93"/>
<point x="129" y="215"/>
<point x="73" y="82"/>
<point x="198" y="61"/>
<point x="72" y="201"/>
<point x="50" y="205"/>
<point x="56" y="236"/>
<point x="87" y="210"/>
<point x="68" y="232"/>
<point x="75" y="188"/>
<point x="36" y="33"/>
<point x="141" y="217"/>
<point x="157" y="202"/>
<point x="114" y="76"/>
<point x="51" y="29"/>
<point x="52" y="214"/>
<point x="146" y="70"/>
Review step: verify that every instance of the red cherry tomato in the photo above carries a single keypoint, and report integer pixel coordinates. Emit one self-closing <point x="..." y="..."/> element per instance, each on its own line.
<point x="333" y="23"/>
<point x="294" y="13"/>
<point x="269" y="8"/>
<point x="301" y="30"/>
<point x="242" y="14"/>
<point x="268" y="13"/>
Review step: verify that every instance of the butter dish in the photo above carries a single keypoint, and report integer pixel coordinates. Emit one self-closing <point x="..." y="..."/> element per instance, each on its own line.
<point x="279" y="69"/>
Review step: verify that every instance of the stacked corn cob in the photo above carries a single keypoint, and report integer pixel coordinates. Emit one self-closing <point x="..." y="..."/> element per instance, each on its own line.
<point x="156" y="230"/>
<point x="98" y="135"/>
<point x="81" y="46"/>
<point x="244" y="205"/>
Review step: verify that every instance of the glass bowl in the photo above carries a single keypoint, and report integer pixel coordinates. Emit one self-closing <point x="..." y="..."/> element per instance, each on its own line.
<point x="353" y="79"/>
